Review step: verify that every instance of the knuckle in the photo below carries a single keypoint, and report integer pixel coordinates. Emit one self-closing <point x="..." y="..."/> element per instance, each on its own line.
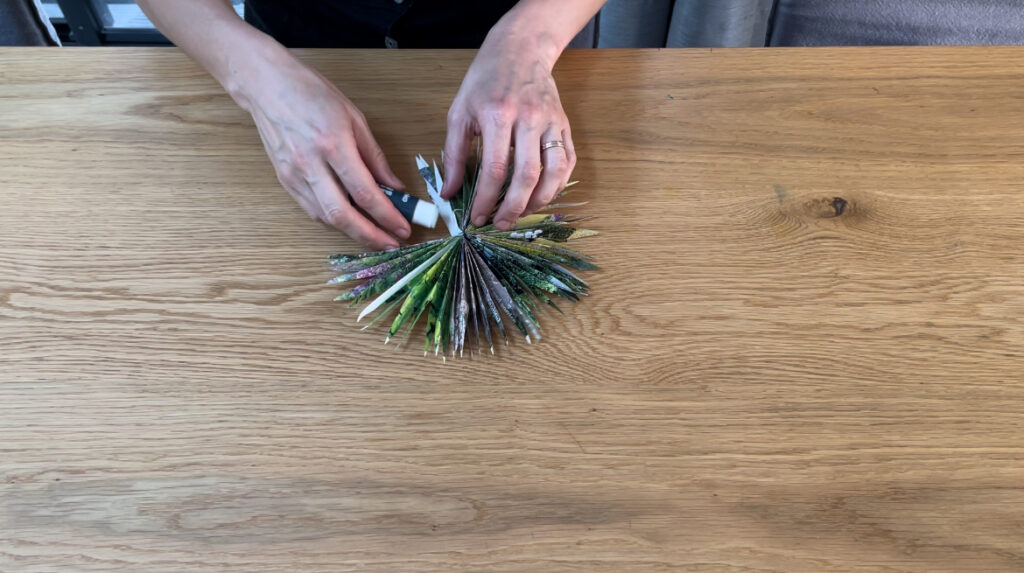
<point x="299" y="163"/>
<point x="512" y="207"/>
<point x="288" y="178"/>
<point x="341" y="167"/>
<point x="455" y="118"/>
<point x="353" y="114"/>
<point x="496" y="169"/>
<point x="482" y="206"/>
<point x="559" y="164"/>
<point x="360" y="194"/>
<point x="531" y="114"/>
<point x="512" y="212"/>
<point x="376" y="154"/>
<point x="500" y="113"/>
<point x="530" y="171"/>
<point x="360" y="123"/>
<point x="336" y="218"/>
<point x="517" y="202"/>
<point x="451" y="150"/>
<point x="326" y="143"/>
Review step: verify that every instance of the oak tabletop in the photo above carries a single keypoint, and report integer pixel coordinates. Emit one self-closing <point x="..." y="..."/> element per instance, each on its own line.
<point x="803" y="351"/>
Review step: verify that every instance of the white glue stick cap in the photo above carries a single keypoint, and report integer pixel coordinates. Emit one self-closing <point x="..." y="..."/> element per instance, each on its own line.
<point x="425" y="214"/>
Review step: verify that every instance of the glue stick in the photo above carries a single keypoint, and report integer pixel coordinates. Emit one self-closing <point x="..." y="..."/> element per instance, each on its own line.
<point x="417" y="212"/>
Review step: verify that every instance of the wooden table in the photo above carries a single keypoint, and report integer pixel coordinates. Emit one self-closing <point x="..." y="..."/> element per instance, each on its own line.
<point x="804" y="351"/>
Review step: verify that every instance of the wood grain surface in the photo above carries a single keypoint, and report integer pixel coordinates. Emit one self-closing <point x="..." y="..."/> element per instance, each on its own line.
<point x="803" y="352"/>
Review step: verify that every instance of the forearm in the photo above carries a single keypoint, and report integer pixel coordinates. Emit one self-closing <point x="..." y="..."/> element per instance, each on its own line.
<point x="213" y="35"/>
<point x="318" y="141"/>
<point x="544" y="25"/>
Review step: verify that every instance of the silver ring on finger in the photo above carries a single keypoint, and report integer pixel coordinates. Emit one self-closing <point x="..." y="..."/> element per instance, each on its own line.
<point x="551" y="144"/>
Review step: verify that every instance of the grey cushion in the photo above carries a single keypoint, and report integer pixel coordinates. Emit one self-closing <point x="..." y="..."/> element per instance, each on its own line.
<point x="896" y="22"/>
<point x="20" y="24"/>
<point x="682" y="23"/>
<point x="634" y="23"/>
<point x="718" y="23"/>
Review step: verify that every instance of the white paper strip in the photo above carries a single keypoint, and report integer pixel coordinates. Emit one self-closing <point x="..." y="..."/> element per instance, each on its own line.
<point x="443" y="206"/>
<point x="402" y="282"/>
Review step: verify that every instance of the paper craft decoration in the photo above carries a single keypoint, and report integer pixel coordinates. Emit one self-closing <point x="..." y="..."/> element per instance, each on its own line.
<point x="475" y="285"/>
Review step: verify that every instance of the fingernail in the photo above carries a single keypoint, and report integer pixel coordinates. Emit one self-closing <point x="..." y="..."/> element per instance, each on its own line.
<point x="480" y="220"/>
<point x="404" y="232"/>
<point x="391" y="246"/>
<point x="504" y="224"/>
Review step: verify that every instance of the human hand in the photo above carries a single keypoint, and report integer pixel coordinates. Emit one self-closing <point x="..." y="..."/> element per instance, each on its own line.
<point x="322" y="150"/>
<point x="509" y="98"/>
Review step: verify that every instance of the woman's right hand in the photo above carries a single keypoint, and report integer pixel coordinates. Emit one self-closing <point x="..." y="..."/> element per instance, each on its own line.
<point x="321" y="147"/>
<point x="319" y="143"/>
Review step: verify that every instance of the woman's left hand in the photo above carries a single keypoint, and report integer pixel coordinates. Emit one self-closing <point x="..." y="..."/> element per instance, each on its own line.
<point x="510" y="100"/>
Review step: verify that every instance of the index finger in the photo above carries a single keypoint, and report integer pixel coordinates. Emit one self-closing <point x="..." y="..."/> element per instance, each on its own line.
<point x="456" y="149"/>
<point x="342" y="215"/>
<point x="347" y="162"/>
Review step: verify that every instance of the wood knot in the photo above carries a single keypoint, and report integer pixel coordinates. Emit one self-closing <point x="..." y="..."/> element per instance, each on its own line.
<point x="839" y="205"/>
<point x="826" y="207"/>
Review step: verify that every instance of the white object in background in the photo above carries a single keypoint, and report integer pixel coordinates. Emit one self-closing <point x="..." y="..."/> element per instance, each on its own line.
<point x="123" y="14"/>
<point x="45" y="14"/>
